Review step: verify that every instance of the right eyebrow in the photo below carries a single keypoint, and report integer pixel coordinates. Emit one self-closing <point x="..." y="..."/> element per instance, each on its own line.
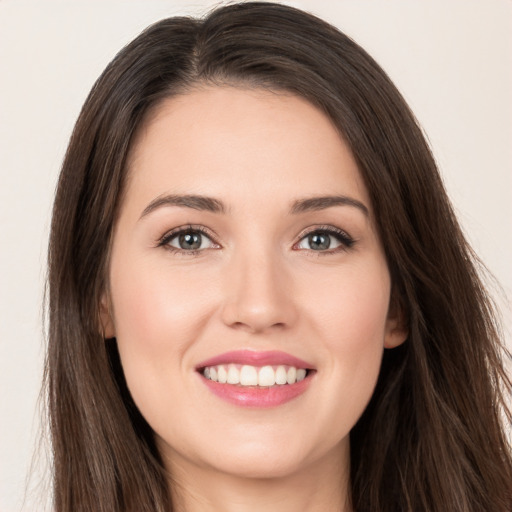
<point x="196" y="202"/>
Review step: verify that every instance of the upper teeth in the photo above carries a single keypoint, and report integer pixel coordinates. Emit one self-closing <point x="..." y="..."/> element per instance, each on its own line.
<point x="247" y="375"/>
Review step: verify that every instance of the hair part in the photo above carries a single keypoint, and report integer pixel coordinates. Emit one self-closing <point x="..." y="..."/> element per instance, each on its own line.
<point x="431" y="438"/>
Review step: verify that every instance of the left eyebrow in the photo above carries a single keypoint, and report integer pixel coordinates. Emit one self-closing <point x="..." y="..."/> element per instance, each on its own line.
<point x="324" y="202"/>
<point x="185" y="201"/>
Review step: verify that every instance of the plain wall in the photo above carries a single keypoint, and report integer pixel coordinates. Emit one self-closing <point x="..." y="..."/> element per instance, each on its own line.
<point x="450" y="58"/>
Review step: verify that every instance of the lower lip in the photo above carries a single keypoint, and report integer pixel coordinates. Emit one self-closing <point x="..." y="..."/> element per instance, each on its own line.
<point x="255" y="396"/>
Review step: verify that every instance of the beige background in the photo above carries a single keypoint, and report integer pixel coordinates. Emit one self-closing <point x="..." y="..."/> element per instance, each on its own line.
<point x="450" y="58"/>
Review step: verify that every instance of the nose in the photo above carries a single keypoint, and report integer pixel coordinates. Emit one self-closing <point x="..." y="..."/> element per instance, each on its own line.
<point x="258" y="294"/>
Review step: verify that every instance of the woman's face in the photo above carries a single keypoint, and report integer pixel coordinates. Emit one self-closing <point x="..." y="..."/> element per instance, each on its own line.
<point x="246" y="249"/>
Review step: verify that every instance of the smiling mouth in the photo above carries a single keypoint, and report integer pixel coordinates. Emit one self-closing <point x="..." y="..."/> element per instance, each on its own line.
<point x="254" y="376"/>
<point x="256" y="379"/>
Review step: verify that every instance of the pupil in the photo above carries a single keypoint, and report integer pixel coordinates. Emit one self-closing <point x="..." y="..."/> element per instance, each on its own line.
<point x="190" y="241"/>
<point x="319" y="241"/>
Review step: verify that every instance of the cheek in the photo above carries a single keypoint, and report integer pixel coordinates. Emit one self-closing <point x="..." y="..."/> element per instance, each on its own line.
<point x="155" y="306"/>
<point x="157" y="320"/>
<point x="351" y="326"/>
<point x="158" y="317"/>
<point x="352" y="305"/>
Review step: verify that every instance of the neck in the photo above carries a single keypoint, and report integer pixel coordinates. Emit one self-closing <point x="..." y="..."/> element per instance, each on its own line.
<point x="320" y="486"/>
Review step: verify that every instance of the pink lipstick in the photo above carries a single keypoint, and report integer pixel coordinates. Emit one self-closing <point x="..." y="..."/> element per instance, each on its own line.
<point x="253" y="358"/>
<point x="256" y="379"/>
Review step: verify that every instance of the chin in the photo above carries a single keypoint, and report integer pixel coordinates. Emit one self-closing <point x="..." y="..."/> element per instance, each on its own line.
<point x="261" y="467"/>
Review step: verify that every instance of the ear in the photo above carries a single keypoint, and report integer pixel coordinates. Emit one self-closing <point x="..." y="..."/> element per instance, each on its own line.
<point x="396" y="324"/>
<point x="106" y="318"/>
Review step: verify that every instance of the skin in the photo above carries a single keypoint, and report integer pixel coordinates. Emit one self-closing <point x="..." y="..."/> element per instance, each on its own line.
<point x="257" y="285"/>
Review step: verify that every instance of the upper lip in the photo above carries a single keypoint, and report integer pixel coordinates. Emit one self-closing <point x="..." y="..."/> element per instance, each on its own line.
<point x="254" y="358"/>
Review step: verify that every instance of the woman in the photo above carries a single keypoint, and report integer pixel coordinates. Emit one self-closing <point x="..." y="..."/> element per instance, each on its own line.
<point x="258" y="292"/>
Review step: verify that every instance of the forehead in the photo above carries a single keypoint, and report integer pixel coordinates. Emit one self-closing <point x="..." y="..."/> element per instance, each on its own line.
<point x="239" y="143"/>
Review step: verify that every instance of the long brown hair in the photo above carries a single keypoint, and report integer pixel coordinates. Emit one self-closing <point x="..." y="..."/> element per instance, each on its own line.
<point x="432" y="438"/>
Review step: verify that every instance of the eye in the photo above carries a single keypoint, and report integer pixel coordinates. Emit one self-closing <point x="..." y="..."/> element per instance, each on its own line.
<point x="325" y="240"/>
<point x="187" y="240"/>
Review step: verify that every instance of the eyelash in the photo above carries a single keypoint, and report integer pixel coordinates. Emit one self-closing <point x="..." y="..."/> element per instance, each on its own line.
<point x="170" y="235"/>
<point x="345" y="240"/>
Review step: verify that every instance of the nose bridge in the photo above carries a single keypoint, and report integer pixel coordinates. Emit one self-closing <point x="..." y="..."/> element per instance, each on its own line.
<point x="257" y="289"/>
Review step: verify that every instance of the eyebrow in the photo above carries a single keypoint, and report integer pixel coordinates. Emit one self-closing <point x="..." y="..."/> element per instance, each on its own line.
<point x="210" y="204"/>
<point x="195" y="202"/>
<point x="324" y="202"/>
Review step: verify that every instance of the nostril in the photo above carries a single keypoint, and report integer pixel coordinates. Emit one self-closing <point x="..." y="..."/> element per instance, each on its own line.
<point x="257" y="326"/>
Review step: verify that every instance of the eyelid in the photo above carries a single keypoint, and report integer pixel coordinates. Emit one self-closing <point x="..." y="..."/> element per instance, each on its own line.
<point x="346" y="241"/>
<point x="164" y="240"/>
